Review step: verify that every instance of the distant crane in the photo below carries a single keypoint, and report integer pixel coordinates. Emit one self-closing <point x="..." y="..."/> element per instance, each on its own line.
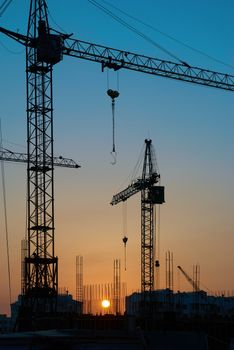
<point x="151" y="194"/>
<point x="44" y="49"/>
<point x="194" y="284"/>
<point x="10" y="156"/>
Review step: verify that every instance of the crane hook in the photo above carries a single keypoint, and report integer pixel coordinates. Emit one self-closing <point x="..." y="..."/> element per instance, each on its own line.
<point x="125" y="239"/>
<point x="114" y="155"/>
<point x="113" y="94"/>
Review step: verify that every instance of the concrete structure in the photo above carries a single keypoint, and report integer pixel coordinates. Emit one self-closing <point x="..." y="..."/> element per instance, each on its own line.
<point x="65" y="304"/>
<point x="184" y="304"/>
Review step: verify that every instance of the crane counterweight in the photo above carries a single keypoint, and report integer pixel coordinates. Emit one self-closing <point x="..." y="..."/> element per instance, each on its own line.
<point x="49" y="46"/>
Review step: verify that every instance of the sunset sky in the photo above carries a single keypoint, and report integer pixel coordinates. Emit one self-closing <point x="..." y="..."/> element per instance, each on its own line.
<point x="191" y="128"/>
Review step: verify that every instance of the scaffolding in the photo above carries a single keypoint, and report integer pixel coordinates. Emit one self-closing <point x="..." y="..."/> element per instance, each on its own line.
<point x="95" y="294"/>
<point x="169" y="271"/>
<point x="117" y="287"/>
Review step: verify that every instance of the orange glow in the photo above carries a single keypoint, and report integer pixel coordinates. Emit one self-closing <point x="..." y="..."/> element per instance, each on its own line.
<point x="105" y="303"/>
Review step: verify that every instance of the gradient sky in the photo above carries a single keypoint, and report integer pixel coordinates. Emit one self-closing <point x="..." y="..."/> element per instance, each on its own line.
<point x="191" y="128"/>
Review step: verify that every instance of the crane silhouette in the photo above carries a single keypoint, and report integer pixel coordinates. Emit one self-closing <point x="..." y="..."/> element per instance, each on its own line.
<point x="45" y="48"/>
<point x="151" y="194"/>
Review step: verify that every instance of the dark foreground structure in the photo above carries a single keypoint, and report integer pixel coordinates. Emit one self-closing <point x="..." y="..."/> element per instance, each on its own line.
<point x="160" y="320"/>
<point x="103" y="340"/>
<point x="72" y="332"/>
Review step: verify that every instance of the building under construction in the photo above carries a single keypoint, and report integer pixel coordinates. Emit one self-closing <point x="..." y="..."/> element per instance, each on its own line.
<point x="175" y="320"/>
<point x="96" y="295"/>
<point x="181" y="305"/>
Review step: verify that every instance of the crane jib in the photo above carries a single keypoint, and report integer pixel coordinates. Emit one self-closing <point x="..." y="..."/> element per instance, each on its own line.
<point x="117" y="59"/>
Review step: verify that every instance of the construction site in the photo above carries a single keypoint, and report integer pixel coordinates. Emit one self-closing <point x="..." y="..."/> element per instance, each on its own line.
<point x="92" y="269"/>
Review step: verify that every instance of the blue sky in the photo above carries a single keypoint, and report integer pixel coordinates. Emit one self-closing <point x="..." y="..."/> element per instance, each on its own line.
<point x="191" y="128"/>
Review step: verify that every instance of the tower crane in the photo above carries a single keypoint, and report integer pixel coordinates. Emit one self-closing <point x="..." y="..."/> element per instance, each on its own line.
<point x="189" y="279"/>
<point x="151" y="194"/>
<point x="45" y="48"/>
<point x="196" y="288"/>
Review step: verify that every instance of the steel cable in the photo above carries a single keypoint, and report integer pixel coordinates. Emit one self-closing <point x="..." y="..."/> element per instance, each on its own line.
<point x="5" y="216"/>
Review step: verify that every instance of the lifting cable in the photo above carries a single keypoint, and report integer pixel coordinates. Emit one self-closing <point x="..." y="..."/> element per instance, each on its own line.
<point x="113" y="95"/>
<point x="125" y="238"/>
<point x="134" y="30"/>
<point x="168" y="35"/>
<point x="5" y="215"/>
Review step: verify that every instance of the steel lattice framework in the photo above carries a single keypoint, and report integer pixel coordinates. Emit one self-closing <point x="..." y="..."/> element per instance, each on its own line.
<point x="116" y="287"/>
<point x="117" y="59"/>
<point x="40" y="264"/>
<point x="150" y="195"/>
<point x="17" y="157"/>
<point x="147" y="224"/>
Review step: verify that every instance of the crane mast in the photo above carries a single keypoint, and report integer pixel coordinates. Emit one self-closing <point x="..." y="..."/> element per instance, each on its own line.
<point x="147" y="221"/>
<point x="42" y="52"/>
<point x="151" y="194"/>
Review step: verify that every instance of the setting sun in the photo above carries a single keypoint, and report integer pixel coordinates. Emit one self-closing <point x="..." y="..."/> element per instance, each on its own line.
<point x="105" y="303"/>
